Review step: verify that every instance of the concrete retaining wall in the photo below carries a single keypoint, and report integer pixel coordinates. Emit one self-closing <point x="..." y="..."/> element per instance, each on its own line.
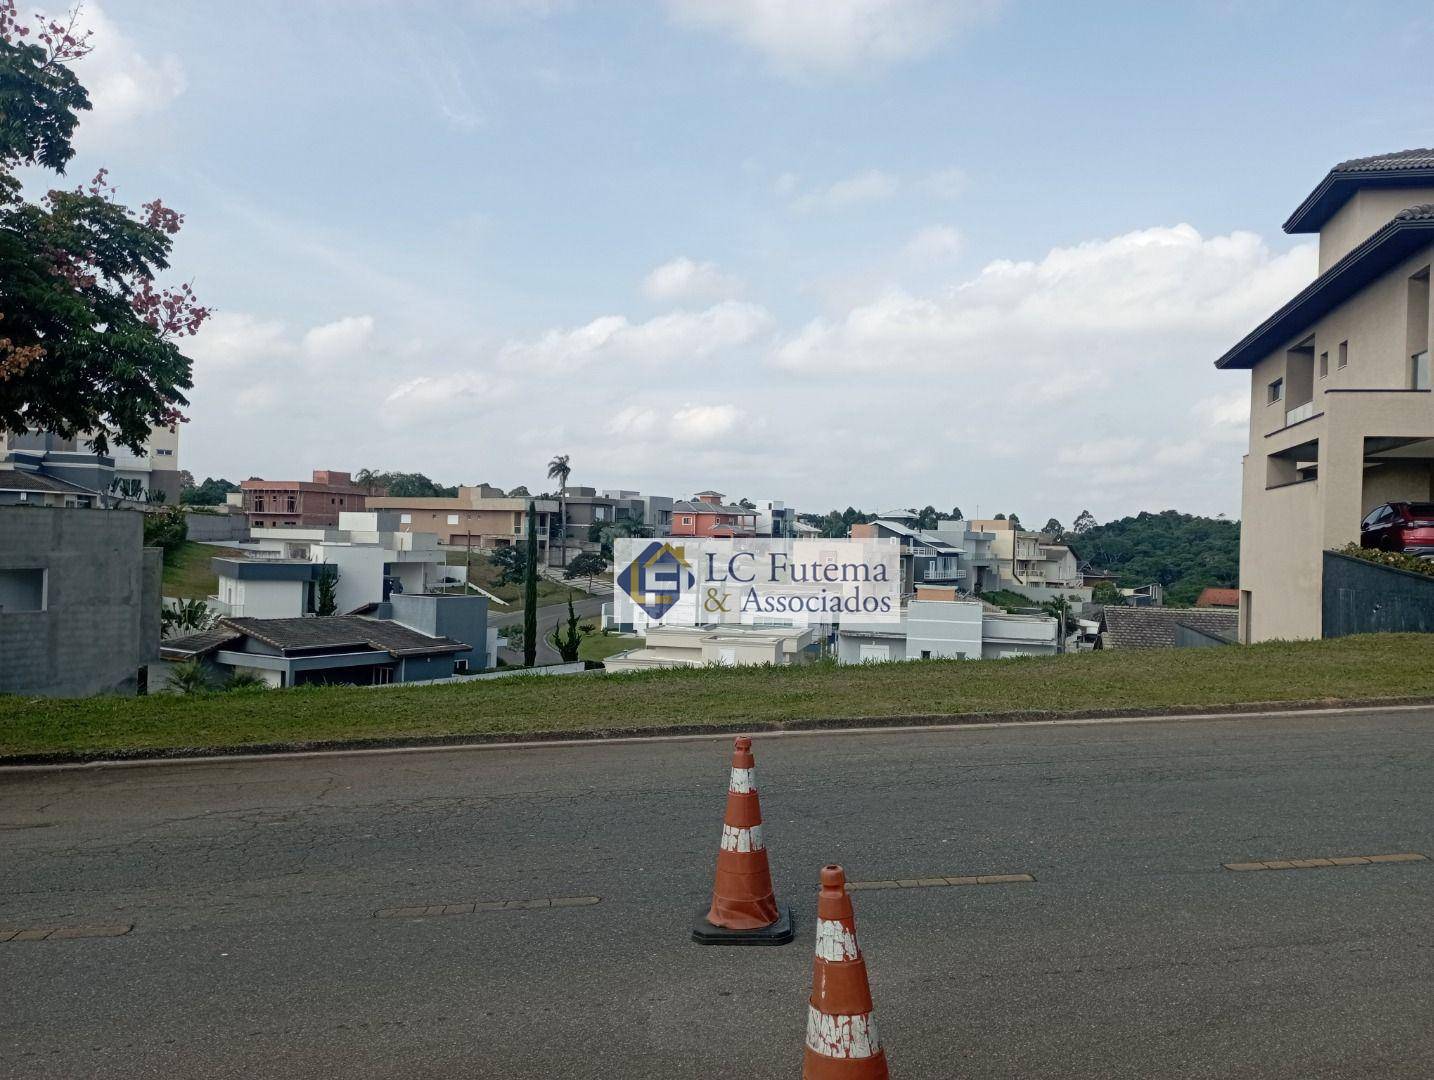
<point x="98" y="624"/>
<point x="1365" y="598"/>
<point x="216" y="526"/>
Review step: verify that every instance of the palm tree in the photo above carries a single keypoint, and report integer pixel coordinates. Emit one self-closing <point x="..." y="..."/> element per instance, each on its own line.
<point x="560" y="470"/>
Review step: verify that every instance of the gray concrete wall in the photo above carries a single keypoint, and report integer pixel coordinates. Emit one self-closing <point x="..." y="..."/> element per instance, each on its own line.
<point x="1364" y="598"/>
<point x="462" y="618"/>
<point x="216" y="526"/>
<point x="101" y="619"/>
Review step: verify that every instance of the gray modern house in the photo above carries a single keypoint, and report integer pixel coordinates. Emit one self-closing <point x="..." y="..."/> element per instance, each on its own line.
<point x="410" y="638"/>
<point x="79" y="601"/>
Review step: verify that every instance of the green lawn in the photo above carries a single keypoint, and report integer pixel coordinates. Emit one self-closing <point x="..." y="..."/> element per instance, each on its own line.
<point x="484" y="574"/>
<point x="189" y="574"/>
<point x="600" y="646"/>
<point x="1372" y="666"/>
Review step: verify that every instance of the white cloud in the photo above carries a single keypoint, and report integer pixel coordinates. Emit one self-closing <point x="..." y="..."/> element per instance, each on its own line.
<point x="1121" y="301"/>
<point x="801" y="38"/>
<point x="255" y="398"/>
<point x="684" y="279"/>
<point x="124" y="84"/>
<point x="1110" y="451"/>
<point x="934" y="244"/>
<point x="338" y="340"/>
<point x="786" y="184"/>
<point x="634" y="421"/>
<point x="428" y="397"/>
<point x="234" y="339"/>
<point x="612" y="339"/>
<point x="703" y="423"/>
<point x="1230" y="410"/>
<point x="870" y="186"/>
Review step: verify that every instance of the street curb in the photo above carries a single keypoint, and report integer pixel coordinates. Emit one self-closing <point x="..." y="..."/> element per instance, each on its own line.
<point x="813" y="725"/>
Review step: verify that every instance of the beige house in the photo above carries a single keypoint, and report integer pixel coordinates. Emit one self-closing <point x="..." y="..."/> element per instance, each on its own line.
<point x="1031" y="563"/>
<point x="1341" y="414"/>
<point x="477" y="517"/>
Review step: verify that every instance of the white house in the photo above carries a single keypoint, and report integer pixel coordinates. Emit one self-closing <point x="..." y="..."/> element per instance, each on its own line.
<point x="717" y="646"/>
<point x="947" y="628"/>
<point x="278" y="574"/>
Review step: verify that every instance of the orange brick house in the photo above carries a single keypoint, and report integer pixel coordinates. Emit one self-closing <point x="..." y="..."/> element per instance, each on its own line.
<point x="705" y="514"/>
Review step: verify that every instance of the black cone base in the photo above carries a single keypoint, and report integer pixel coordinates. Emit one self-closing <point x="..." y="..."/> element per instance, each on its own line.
<point x="779" y="933"/>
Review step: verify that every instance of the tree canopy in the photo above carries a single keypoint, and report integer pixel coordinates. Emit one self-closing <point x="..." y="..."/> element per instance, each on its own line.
<point x="1182" y="552"/>
<point x="407" y="485"/>
<point x="87" y="335"/>
<point x="210" y="493"/>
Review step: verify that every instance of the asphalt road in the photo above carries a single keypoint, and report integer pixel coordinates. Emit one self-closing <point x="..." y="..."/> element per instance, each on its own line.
<point x="252" y="887"/>
<point x="549" y="618"/>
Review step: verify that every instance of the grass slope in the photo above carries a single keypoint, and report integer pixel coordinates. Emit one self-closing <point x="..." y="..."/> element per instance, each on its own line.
<point x="189" y="574"/>
<point x="484" y="574"/>
<point x="1370" y="666"/>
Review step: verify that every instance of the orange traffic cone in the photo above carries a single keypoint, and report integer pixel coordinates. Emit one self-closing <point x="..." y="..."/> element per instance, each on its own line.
<point x="842" y="1043"/>
<point x="744" y="907"/>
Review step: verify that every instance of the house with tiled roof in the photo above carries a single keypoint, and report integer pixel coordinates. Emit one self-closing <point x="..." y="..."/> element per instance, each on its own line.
<point x="705" y="514"/>
<point x="1123" y="627"/>
<point x="415" y="638"/>
<point x="1341" y="398"/>
<point x="1218" y="598"/>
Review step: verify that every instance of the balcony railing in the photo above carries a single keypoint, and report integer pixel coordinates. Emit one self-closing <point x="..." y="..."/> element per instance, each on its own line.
<point x="937" y="573"/>
<point x="1300" y="412"/>
<point x="224" y="608"/>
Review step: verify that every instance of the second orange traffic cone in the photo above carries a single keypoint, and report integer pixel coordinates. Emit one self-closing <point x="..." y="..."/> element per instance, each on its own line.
<point x="842" y="1042"/>
<point x="744" y="909"/>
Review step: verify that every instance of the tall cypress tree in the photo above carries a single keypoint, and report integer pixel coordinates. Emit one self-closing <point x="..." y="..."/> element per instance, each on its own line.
<point x="530" y="591"/>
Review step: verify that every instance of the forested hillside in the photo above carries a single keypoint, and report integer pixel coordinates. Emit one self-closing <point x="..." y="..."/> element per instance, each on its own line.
<point x="1182" y="552"/>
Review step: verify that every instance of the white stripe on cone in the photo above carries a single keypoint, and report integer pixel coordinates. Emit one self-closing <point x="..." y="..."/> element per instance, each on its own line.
<point x="842" y="1036"/>
<point x="734" y="839"/>
<point x="743" y="782"/>
<point x="835" y="942"/>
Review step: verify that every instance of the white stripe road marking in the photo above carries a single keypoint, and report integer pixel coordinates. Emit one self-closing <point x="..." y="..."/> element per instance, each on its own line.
<point x="743" y="782"/>
<point x="835" y="942"/>
<point x="734" y="839"/>
<point x="842" y="1036"/>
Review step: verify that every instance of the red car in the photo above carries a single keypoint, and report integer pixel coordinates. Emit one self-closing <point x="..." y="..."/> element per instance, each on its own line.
<point x="1400" y="526"/>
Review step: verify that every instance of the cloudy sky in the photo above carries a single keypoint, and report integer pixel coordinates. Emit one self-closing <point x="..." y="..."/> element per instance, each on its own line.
<point x="870" y="252"/>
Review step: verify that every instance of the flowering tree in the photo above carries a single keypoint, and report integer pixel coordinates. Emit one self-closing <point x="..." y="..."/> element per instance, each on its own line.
<point x="88" y="335"/>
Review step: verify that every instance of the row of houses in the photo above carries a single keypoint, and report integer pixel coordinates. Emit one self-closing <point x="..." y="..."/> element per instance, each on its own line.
<point x="41" y="468"/>
<point x="482" y="517"/>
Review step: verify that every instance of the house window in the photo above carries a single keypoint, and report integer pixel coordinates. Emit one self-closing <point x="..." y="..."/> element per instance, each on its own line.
<point x="165" y="453"/>
<point x="405" y="519"/>
<point x="1343" y="355"/>
<point x="1417" y="347"/>
<point x="460" y="667"/>
<point x="1275" y="392"/>
<point x="453" y="519"/>
<point x="259" y="502"/>
<point x="22" y="590"/>
<point x="1323" y="365"/>
<point x="687" y="521"/>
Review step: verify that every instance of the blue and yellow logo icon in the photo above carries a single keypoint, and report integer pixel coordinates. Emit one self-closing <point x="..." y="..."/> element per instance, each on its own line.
<point x="656" y="578"/>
